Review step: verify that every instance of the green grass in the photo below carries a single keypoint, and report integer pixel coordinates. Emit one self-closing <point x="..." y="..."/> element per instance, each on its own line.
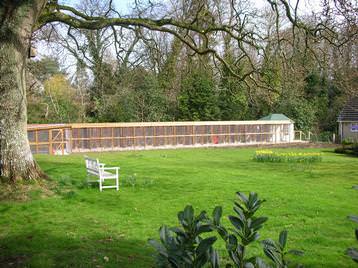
<point x="79" y="226"/>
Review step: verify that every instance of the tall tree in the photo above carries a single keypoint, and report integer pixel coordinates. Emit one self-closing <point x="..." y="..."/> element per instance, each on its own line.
<point x="18" y="21"/>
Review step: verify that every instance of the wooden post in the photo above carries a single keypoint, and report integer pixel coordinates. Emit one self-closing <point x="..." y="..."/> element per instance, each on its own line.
<point x="175" y="135"/>
<point x="134" y="140"/>
<point x="154" y="134"/>
<point x="100" y="138"/>
<point x="112" y="132"/>
<point x="212" y="133"/>
<point x="120" y="132"/>
<point x="36" y="142"/>
<point x="70" y="149"/>
<point x="89" y="138"/>
<point x="245" y="137"/>
<point x="62" y="142"/>
<point x="75" y="142"/>
<point x="50" y="141"/>
<point x="220" y="131"/>
<point x="165" y="135"/>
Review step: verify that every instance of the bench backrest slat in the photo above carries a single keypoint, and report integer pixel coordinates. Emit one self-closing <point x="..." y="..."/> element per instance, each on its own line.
<point x="92" y="166"/>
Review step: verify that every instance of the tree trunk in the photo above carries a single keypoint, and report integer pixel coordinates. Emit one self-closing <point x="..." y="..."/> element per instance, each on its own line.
<point x="17" y="20"/>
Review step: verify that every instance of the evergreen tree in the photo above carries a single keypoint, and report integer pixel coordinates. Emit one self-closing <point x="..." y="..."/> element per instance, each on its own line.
<point x="198" y="99"/>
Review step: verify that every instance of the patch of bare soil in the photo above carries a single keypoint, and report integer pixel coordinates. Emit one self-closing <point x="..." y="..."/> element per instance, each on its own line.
<point x="25" y="191"/>
<point x="13" y="261"/>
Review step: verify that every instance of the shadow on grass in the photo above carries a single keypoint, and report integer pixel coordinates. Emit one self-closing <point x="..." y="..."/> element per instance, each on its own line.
<point x="348" y="155"/>
<point x="40" y="249"/>
<point x="327" y="151"/>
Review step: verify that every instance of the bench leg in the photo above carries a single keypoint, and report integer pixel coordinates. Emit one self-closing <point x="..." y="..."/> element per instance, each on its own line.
<point x="100" y="184"/>
<point x="117" y="183"/>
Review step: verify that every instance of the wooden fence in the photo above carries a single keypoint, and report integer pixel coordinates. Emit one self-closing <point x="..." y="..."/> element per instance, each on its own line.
<point x="69" y="138"/>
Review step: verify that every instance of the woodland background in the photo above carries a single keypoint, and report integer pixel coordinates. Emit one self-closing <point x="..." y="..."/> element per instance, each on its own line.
<point x="128" y="74"/>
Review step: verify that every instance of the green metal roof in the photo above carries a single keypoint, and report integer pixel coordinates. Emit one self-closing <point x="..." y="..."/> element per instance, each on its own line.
<point x="275" y="117"/>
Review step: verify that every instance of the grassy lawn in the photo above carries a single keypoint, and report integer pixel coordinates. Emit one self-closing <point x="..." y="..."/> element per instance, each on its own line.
<point x="81" y="227"/>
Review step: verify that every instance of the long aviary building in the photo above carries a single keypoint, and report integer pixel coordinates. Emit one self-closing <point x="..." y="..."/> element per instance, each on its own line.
<point x="88" y="137"/>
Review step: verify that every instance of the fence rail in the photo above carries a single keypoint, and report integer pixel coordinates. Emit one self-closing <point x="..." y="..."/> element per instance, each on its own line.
<point x="65" y="139"/>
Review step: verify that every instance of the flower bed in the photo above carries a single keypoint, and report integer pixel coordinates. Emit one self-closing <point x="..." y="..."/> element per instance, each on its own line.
<point x="271" y="156"/>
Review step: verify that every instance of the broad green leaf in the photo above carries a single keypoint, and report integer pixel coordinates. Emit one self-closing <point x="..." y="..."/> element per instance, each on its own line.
<point x="283" y="239"/>
<point x="217" y="213"/>
<point x="249" y="265"/>
<point x="257" y="223"/>
<point x="158" y="246"/>
<point x="204" y="229"/>
<point x="353" y="253"/>
<point x="164" y="233"/>
<point x="243" y="197"/>
<point x="205" y="244"/>
<point x="178" y="231"/>
<point x="188" y="214"/>
<point x="238" y="223"/>
<point x="353" y="218"/>
<point x="214" y="259"/>
<point x="274" y="256"/>
<point x="260" y="263"/>
<point x="296" y="252"/>
<point x="231" y="243"/>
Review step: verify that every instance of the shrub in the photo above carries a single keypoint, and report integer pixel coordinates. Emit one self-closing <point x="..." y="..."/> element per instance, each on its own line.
<point x="347" y="148"/>
<point x="325" y="136"/>
<point x="277" y="252"/>
<point x="185" y="246"/>
<point x="346" y="142"/>
<point x="245" y="232"/>
<point x="340" y="150"/>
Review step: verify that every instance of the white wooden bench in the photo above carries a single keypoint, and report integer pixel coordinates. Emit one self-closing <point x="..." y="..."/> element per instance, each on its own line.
<point x="96" y="169"/>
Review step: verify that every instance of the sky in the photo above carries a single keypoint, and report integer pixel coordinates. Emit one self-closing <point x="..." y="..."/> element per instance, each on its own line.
<point x="124" y="5"/>
<point x="121" y="5"/>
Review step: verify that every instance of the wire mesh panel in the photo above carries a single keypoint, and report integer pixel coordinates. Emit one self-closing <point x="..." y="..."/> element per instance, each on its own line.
<point x="129" y="136"/>
<point x="169" y="136"/>
<point x="31" y="135"/>
<point x="48" y="140"/>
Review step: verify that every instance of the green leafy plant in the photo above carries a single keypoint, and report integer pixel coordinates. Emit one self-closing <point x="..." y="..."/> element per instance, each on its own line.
<point x="276" y="251"/>
<point x="185" y="247"/>
<point x="347" y="142"/>
<point x="291" y="157"/>
<point x="245" y="232"/>
<point x="348" y="147"/>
